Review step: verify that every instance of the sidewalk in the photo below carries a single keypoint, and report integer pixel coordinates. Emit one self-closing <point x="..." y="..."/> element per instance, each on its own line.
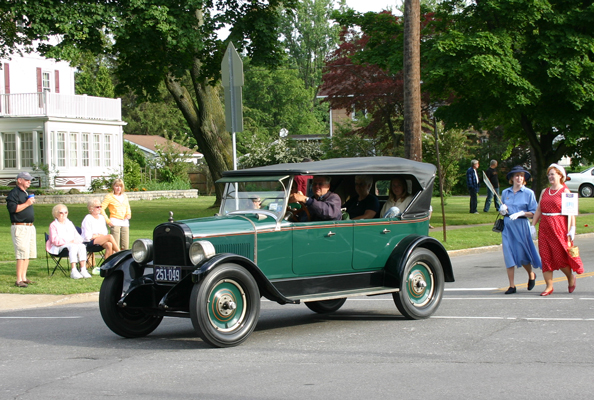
<point x="10" y="302"/>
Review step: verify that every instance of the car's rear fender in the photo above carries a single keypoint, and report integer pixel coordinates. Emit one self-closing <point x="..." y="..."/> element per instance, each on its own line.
<point x="265" y="286"/>
<point x="403" y="250"/>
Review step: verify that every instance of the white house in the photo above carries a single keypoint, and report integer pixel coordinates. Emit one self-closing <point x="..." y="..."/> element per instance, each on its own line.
<point x="43" y="122"/>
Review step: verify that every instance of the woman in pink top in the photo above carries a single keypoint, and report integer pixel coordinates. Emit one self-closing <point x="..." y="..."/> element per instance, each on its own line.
<point x="63" y="234"/>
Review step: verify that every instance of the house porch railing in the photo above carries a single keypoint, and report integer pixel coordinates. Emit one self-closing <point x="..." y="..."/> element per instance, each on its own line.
<point x="49" y="104"/>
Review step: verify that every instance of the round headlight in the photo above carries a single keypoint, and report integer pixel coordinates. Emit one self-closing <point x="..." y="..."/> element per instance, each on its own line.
<point x="200" y="251"/>
<point x="142" y="251"/>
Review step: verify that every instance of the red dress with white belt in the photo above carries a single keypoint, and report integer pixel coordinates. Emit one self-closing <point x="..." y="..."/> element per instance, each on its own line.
<point x="552" y="235"/>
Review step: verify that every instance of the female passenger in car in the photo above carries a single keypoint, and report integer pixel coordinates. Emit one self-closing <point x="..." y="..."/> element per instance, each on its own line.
<point x="364" y="205"/>
<point x="398" y="197"/>
<point x="519" y="204"/>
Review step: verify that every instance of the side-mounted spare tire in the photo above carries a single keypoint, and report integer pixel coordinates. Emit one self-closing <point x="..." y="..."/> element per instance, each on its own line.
<point x="421" y="285"/>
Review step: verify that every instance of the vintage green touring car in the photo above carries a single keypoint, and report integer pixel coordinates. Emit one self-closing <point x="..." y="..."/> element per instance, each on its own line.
<point x="215" y="270"/>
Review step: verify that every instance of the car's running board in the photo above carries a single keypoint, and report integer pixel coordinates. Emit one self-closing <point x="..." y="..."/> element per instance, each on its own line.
<point x="345" y="293"/>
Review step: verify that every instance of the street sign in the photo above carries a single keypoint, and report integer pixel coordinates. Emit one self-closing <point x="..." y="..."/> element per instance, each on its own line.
<point x="232" y="77"/>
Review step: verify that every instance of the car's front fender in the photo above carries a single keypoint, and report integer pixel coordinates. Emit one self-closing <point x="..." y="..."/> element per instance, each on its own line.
<point x="122" y="262"/>
<point x="267" y="289"/>
<point x="403" y="250"/>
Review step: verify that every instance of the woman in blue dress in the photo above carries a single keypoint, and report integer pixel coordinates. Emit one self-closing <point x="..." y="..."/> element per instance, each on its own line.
<point x="519" y="204"/>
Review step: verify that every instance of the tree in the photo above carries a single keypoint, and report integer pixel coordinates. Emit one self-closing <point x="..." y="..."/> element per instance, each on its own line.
<point x="527" y="67"/>
<point x="309" y="36"/>
<point x="93" y="78"/>
<point x="171" y="42"/>
<point x="276" y="100"/>
<point x="360" y="86"/>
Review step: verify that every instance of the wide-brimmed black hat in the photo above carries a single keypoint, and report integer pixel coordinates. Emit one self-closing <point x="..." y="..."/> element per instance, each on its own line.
<point x="516" y="169"/>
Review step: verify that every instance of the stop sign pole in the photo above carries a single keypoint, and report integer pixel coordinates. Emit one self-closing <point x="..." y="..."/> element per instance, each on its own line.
<point x="232" y="78"/>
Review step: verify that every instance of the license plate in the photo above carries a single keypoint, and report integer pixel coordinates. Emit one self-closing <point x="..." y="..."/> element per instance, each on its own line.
<point x="167" y="274"/>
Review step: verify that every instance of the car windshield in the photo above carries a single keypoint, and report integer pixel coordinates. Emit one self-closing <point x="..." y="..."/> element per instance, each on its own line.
<point x="249" y="195"/>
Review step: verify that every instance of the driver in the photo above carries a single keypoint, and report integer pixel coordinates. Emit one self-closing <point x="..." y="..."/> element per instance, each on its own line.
<point x="324" y="205"/>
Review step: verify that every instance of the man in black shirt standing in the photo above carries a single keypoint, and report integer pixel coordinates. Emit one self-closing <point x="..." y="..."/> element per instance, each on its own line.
<point x="491" y="173"/>
<point x="20" y="208"/>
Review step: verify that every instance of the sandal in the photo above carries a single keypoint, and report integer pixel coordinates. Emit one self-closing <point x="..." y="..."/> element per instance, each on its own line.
<point x="20" y="284"/>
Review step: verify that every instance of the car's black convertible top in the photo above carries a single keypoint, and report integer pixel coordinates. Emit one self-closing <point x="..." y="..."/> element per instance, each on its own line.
<point x="423" y="172"/>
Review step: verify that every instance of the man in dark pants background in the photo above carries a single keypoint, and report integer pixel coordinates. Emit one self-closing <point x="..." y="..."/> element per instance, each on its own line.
<point x="20" y="207"/>
<point x="472" y="182"/>
<point x="491" y="173"/>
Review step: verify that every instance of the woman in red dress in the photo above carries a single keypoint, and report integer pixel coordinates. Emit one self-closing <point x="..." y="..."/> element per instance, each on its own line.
<point x="555" y="230"/>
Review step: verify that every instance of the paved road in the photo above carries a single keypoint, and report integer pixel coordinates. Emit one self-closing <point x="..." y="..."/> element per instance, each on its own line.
<point x="480" y="344"/>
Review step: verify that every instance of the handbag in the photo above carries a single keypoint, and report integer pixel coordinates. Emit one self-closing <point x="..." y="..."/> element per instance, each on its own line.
<point x="499" y="224"/>
<point x="573" y="251"/>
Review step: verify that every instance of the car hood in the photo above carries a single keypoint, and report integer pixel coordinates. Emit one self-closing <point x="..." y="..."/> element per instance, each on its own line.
<point x="225" y="225"/>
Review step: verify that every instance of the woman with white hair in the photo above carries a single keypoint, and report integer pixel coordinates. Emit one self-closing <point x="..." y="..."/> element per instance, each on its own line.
<point x="555" y="232"/>
<point x="364" y="205"/>
<point x="63" y="234"/>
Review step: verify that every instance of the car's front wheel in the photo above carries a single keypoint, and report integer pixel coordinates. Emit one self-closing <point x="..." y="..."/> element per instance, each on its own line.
<point x="325" y="306"/>
<point x="225" y="306"/>
<point x="421" y="286"/>
<point x="126" y="322"/>
<point x="587" y="190"/>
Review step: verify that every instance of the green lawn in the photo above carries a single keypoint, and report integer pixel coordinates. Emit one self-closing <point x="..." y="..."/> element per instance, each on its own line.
<point x="147" y="214"/>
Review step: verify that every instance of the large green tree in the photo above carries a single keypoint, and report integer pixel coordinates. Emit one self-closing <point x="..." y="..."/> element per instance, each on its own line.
<point x="157" y="41"/>
<point x="526" y="66"/>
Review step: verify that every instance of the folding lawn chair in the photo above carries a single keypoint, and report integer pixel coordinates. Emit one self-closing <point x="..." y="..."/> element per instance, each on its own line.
<point x="56" y="259"/>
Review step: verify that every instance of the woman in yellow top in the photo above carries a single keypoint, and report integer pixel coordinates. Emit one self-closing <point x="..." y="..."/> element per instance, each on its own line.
<point x="119" y="214"/>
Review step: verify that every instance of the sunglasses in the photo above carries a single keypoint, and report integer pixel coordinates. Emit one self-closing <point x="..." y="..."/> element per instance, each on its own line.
<point x="96" y="206"/>
<point x="63" y="212"/>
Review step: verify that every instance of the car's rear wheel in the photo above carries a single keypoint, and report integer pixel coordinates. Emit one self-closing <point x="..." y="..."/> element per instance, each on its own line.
<point x="225" y="306"/>
<point x="126" y="322"/>
<point x="421" y="286"/>
<point x="325" y="306"/>
<point x="587" y="190"/>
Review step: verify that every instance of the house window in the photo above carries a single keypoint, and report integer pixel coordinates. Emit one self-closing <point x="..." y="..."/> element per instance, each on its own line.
<point x="26" y="149"/>
<point x="96" y="150"/>
<point x="107" y="150"/>
<point x="61" y="149"/>
<point x="41" y="149"/>
<point x="9" y="140"/>
<point x="85" y="149"/>
<point x="45" y="82"/>
<point x="73" y="150"/>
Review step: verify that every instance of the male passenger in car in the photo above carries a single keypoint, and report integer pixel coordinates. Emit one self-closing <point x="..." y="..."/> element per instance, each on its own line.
<point x="324" y="205"/>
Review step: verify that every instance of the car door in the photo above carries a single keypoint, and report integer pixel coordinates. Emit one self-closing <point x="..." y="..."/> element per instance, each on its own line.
<point x="322" y="247"/>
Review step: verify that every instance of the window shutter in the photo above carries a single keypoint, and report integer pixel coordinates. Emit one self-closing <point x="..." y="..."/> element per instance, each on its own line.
<point x="39" y="82"/>
<point x="57" y="81"/>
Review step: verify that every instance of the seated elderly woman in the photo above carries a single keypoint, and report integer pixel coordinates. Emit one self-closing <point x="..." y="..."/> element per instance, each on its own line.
<point x="364" y="205"/>
<point x="63" y="234"/>
<point x="398" y="199"/>
<point x="94" y="229"/>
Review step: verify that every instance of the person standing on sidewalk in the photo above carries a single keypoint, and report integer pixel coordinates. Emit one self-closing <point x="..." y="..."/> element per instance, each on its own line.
<point x="491" y="173"/>
<point x="472" y="182"/>
<point x="20" y="208"/>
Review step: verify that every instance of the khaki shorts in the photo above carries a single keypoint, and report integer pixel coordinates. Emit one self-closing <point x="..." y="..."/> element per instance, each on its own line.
<point x="24" y="241"/>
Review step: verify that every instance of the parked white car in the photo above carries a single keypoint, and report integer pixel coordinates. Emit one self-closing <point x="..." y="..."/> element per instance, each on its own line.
<point x="582" y="182"/>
